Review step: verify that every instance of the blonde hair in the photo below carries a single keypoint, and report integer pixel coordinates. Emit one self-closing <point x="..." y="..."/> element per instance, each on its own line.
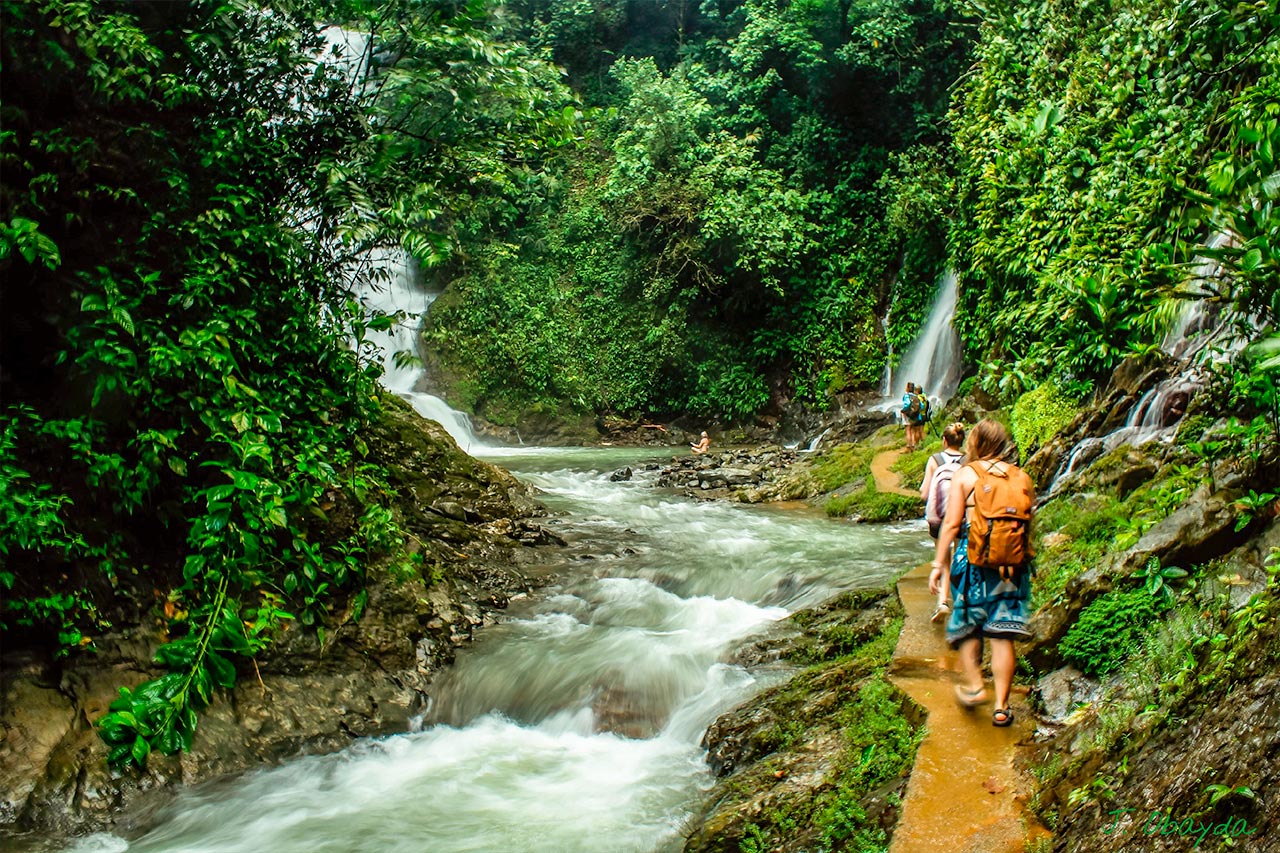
<point x="987" y="441"/>
<point x="953" y="435"/>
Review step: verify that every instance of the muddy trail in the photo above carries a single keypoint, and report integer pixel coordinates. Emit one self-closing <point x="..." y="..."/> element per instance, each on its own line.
<point x="965" y="795"/>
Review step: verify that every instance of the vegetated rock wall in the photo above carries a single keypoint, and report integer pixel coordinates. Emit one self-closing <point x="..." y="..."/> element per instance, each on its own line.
<point x="1191" y="746"/>
<point x="1179" y="747"/>
<point x="309" y="692"/>
<point x="784" y="759"/>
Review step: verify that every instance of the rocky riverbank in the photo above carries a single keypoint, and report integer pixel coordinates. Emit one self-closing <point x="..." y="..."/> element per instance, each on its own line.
<point x="823" y="757"/>
<point x="474" y="528"/>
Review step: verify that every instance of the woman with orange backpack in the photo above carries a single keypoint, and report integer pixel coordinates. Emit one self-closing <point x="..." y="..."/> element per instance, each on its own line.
<point x="988" y="519"/>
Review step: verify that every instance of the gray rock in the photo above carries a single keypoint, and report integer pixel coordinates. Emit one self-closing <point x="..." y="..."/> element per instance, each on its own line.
<point x="449" y="509"/>
<point x="740" y="476"/>
<point x="1063" y="690"/>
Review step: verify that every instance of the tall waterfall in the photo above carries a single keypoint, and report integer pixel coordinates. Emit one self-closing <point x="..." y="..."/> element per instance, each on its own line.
<point x="933" y="361"/>
<point x="403" y="291"/>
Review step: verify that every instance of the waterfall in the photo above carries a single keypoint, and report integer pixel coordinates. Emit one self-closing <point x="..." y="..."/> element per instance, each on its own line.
<point x="1154" y="417"/>
<point x="886" y="379"/>
<point x="403" y="292"/>
<point x="1156" y="414"/>
<point x="813" y="445"/>
<point x="933" y="361"/>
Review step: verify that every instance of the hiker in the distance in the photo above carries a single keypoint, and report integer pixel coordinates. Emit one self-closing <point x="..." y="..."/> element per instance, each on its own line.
<point x="936" y="489"/>
<point x="923" y="416"/>
<point x="988" y="520"/>
<point x="910" y="414"/>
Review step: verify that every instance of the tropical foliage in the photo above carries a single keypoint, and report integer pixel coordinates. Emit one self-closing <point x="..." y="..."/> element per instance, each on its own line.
<point x="193" y="193"/>
<point x="751" y="188"/>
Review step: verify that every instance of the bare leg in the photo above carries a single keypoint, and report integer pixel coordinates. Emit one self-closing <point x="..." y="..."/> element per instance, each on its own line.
<point x="1002" y="664"/>
<point x="970" y="662"/>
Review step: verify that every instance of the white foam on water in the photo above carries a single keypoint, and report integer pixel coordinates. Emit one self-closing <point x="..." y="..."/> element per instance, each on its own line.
<point x="574" y="724"/>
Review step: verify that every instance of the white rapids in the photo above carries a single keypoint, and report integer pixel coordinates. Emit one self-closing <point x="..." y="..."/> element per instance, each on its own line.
<point x="575" y="724"/>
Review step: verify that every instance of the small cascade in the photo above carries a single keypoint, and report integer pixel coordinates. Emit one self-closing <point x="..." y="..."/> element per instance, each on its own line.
<point x="1201" y="321"/>
<point x="813" y="445"/>
<point x="886" y="379"/>
<point x="1154" y="417"/>
<point x="934" y="359"/>
<point x="403" y="292"/>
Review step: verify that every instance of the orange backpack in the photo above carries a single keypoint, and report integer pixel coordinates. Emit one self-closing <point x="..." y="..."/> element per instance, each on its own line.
<point x="1000" y="525"/>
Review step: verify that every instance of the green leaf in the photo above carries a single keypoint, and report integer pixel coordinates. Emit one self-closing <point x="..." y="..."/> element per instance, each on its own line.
<point x="224" y="674"/>
<point x="140" y="750"/>
<point x="178" y="655"/>
<point x="119" y="754"/>
<point x="122" y="319"/>
<point x="215" y="494"/>
<point x="245" y="480"/>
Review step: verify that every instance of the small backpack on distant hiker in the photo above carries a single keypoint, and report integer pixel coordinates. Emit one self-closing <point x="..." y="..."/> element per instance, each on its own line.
<point x="947" y="463"/>
<point x="912" y="409"/>
<point x="924" y="409"/>
<point x="1000" y="524"/>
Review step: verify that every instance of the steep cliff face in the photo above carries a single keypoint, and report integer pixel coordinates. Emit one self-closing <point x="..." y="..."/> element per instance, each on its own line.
<point x="368" y="673"/>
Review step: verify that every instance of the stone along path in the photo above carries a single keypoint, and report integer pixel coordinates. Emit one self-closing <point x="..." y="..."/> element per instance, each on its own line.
<point x="963" y="796"/>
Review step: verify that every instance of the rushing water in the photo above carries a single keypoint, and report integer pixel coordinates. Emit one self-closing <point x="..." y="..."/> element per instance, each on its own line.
<point x="574" y="724"/>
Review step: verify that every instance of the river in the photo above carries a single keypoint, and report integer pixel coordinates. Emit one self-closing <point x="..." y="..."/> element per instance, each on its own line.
<point x="574" y="723"/>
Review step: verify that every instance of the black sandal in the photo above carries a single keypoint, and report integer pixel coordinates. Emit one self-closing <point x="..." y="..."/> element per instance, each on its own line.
<point x="1002" y="717"/>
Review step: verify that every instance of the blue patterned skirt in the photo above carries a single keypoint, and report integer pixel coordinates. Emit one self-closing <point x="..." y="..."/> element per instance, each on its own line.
<point x="981" y="608"/>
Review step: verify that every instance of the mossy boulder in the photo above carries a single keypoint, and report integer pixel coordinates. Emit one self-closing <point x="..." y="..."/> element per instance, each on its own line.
<point x="792" y="760"/>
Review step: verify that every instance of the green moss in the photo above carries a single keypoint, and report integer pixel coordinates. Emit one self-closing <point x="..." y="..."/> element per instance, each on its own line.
<point x="1057" y="566"/>
<point x="1095" y="520"/>
<point x="844" y="694"/>
<point x="1109" y="630"/>
<point x="872" y="505"/>
<point x="843" y="464"/>
<point x="879" y="745"/>
<point x="1040" y="414"/>
<point x="910" y="466"/>
<point x="1193" y="428"/>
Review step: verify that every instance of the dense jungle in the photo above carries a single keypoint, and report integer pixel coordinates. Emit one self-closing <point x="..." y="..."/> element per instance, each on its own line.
<point x="351" y="353"/>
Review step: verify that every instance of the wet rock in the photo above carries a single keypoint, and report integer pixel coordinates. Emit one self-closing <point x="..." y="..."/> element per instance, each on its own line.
<point x="1231" y="741"/>
<point x="620" y="475"/>
<point x="741" y="474"/>
<point x="306" y="693"/>
<point x="449" y="509"/>
<point x="1120" y="472"/>
<point x="1063" y="690"/>
<point x="1201" y="529"/>
<point x="782" y="751"/>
